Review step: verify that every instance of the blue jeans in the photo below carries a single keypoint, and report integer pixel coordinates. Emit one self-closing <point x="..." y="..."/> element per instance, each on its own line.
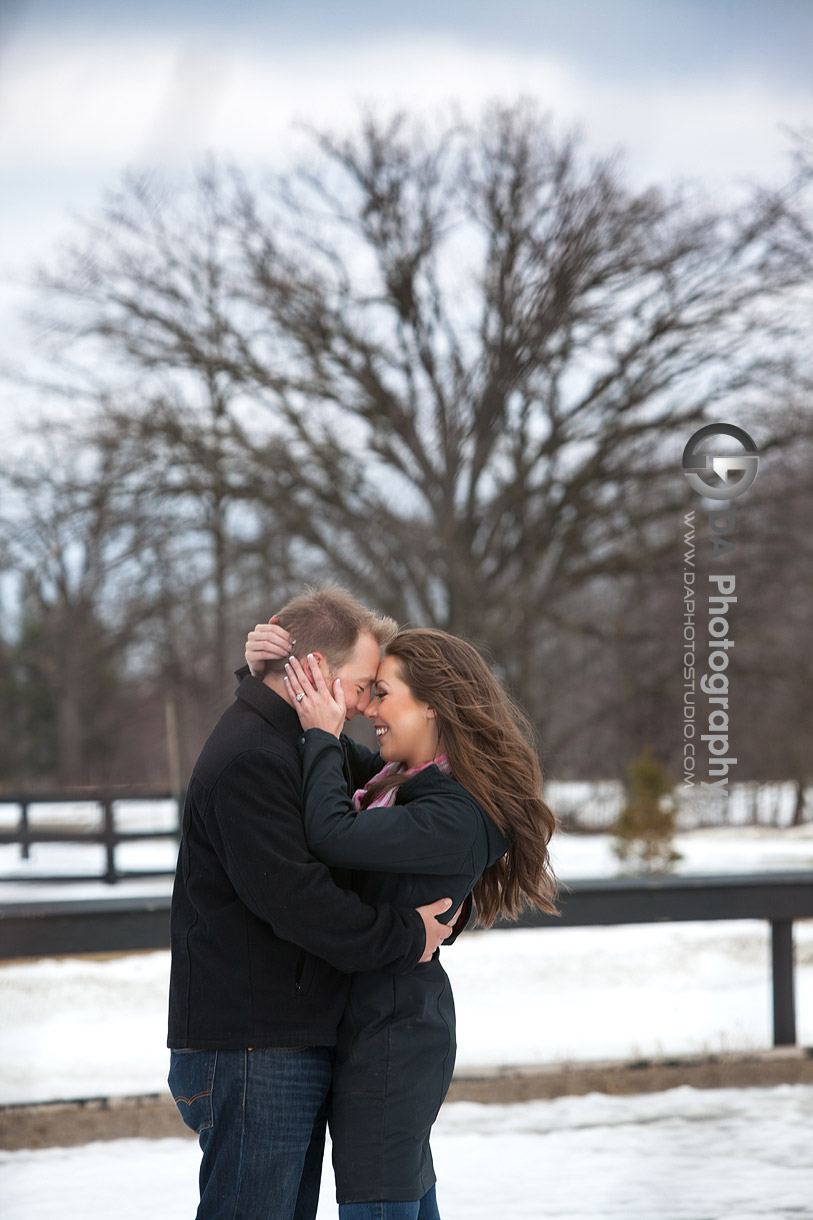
<point x="422" y="1209"/>
<point x="260" y="1117"/>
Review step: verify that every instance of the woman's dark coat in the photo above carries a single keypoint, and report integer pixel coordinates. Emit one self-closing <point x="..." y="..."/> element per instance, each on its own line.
<point x="396" y="1042"/>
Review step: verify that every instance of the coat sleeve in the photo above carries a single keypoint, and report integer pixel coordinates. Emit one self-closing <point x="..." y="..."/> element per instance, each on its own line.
<point x="435" y="834"/>
<point x="255" y="825"/>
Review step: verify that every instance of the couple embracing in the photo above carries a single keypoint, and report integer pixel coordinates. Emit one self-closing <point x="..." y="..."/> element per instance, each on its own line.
<point x="316" y="880"/>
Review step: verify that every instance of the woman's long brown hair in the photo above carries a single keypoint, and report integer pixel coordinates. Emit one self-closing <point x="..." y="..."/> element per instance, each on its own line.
<point x="489" y="743"/>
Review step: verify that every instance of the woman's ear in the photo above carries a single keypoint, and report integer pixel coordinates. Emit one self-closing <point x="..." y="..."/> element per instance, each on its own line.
<point x="430" y="713"/>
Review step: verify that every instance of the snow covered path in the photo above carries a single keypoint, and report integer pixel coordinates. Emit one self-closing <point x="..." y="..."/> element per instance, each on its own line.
<point x="686" y="1154"/>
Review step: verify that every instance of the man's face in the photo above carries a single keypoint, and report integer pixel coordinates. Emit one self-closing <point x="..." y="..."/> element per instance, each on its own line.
<point x="358" y="674"/>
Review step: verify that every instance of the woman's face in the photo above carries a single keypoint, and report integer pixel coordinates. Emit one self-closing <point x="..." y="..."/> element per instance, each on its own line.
<point x="405" y="727"/>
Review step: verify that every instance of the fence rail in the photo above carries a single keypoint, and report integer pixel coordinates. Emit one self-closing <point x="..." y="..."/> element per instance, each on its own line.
<point x="32" y="929"/>
<point x="106" y="832"/>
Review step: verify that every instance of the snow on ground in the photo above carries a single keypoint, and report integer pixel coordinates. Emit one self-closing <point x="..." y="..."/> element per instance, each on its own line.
<point x="685" y="1154"/>
<point x="710" y="852"/>
<point x="619" y="992"/>
<point x="79" y="1027"/>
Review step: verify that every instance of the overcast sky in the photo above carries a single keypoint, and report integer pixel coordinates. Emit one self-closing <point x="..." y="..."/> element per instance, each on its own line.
<point x="697" y="89"/>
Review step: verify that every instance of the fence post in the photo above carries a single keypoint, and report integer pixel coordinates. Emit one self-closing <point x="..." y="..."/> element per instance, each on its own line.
<point x="25" y="846"/>
<point x="784" y="1009"/>
<point x="109" y="840"/>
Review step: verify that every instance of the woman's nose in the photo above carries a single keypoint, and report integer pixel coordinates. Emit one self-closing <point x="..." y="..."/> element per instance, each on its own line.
<point x="368" y="711"/>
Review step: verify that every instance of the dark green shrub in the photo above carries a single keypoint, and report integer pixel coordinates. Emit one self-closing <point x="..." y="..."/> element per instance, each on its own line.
<point x="645" y="826"/>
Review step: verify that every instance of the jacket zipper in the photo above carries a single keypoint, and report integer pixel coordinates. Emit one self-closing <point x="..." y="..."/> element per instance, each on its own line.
<point x="300" y="967"/>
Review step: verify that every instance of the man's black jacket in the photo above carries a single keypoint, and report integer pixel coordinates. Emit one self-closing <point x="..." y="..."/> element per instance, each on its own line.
<point x="261" y="934"/>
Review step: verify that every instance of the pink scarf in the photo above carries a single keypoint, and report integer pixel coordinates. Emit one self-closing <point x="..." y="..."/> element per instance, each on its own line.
<point x="387" y="797"/>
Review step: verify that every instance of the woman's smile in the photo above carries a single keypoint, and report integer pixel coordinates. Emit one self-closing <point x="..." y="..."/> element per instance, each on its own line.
<point x="409" y="734"/>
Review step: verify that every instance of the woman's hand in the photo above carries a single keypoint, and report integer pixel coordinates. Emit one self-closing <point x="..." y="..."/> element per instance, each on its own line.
<point x="267" y="642"/>
<point x="317" y="706"/>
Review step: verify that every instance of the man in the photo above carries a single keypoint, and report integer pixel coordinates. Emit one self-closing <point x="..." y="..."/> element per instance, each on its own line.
<point x="263" y="939"/>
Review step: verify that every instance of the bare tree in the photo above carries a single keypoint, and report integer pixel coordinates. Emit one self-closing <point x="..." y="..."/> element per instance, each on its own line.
<point x="455" y="369"/>
<point x="146" y="291"/>
<point x="75" y="543"/>
<point x="500" y="353"/>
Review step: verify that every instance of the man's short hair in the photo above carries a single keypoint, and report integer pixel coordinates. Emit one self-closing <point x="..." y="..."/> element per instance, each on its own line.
<point x="328" y="619"/>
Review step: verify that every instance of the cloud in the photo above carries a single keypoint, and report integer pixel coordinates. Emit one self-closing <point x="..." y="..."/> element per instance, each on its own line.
<point x="87" y="105"/>
<point x="105" y="104"/>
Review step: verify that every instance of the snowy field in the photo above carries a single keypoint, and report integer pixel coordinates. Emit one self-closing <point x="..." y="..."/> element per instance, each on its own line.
<point x="77" y="1027"/>
<point x="81" y="1027"/>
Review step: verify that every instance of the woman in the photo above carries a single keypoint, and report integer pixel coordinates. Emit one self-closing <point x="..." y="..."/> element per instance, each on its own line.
<point x="450" y="804"/>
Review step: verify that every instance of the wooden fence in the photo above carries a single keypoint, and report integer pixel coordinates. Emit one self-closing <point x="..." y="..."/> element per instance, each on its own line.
<point x="31" y="929"/>
<point x="105" y="831"/>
